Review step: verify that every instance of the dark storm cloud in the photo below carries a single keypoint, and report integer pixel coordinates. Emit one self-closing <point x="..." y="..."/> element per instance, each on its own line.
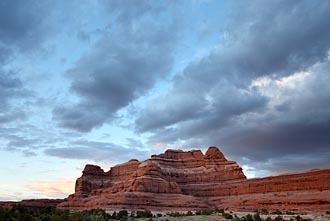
<point x="260" y="41"/>
<point x="213" y="112"/>
<point x="5" y="54"/>
<point x="23" y="29"/>
<point x="11" y="89"/>
<point x="22" y="23"/>
<point x="265" y="140"/>
<point x="102" y="151"/>
<point x="118" y="69"/>
<point x="275" y="140"/>
<point x="278" y="37"/>
<point x="263" y="39"/>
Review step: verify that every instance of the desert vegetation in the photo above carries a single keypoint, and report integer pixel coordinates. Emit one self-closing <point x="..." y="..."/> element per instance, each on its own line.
<point x="20" y="213"/>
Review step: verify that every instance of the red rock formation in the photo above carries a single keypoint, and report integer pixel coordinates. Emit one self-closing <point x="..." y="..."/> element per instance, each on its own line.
<point x="179" y="180"/>
<point x="33" y="203"/>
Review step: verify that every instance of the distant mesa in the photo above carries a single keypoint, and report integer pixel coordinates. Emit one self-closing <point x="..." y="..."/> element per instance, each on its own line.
<point x="180" y="180"/>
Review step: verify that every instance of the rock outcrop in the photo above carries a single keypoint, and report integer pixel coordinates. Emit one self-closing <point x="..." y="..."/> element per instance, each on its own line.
<point x="189" y="180"/>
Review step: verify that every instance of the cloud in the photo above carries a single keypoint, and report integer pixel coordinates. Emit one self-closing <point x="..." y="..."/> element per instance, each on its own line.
<point x="127" y="11"/>
<point x="197" y="114"/>
<point x="5" y="54"/>
<point x="10" y="86"/>
<point x="10" y="117"/>
<point x="295" y="138"/>
<point x="98" y="151"/>
<point x="262" y="91"/>
<point x="250" y="50"/>
<point x="11" y="90"/>
<point x="57" y="188"/>
<point x="297" y="128"/>
<point x="272" y="40"/>
<point x="19" y="142"/>
<point x="23" y="24"/>
<point x="119" y="68"/>
<point x="24" y="29"/>
<point x="261" y="42"/>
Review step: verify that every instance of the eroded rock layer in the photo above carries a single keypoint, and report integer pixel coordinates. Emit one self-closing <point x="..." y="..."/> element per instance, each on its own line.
<point x="178" y="180"/>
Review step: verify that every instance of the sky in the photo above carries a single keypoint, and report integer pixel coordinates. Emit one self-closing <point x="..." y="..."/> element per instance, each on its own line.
<point x="105" y="81"/>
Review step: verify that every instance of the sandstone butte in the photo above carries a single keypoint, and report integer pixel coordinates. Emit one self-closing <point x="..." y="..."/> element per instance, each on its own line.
<point x="180" y="181"/>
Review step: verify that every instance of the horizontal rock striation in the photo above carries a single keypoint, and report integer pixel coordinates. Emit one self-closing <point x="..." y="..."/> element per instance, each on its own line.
<point x="32" y="203"/>
<point x="190" y="180"/>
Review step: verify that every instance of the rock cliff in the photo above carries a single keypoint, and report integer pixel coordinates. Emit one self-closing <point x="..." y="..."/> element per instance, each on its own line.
<point x="189" y="180"/>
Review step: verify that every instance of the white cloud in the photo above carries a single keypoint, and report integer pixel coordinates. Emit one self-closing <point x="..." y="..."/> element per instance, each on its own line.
<point x="56" y="188"/>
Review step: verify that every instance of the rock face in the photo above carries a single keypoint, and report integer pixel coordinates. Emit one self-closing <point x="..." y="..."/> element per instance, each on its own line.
<point x="189" y="180"/>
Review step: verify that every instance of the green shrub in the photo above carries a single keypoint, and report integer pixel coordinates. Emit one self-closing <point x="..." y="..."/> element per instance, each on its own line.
<point x="279" y="218"/>
<point x="207" y="212"/>
<point x="227" y="216"/>
<point x="264" y="211"/>
<point x="76" y="216"/>
<point x="257" y="217"/>
<point x="248" y="217"/>
<point x="143" y="214"/>
<point x="277" y="212"/>
<point x="176" y="214"/>
<point x="217" y="210"/>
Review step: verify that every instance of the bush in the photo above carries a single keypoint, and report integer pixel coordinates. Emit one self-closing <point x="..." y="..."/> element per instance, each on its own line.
<point x="248" y="217"/>
<point x="279" y="218"/>
<point x="207" y="212"/>
<point x="159" y="215"/>
<point x="227" y="216"/>
<point x="19" y="213"/>
<point x="176" y="214"/>
<point x="76" y="216"/>
<point x="264" y="211"/>
<point x="121" y="215"/>
<point x="144" y="214"/>
<point x="257" y="217"/>
<point x="277" y="212"/>
<point x="219" y="210"/>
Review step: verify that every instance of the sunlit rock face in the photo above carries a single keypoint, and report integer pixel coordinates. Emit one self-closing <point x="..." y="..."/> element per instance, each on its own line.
<point x="189" y="180"/>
